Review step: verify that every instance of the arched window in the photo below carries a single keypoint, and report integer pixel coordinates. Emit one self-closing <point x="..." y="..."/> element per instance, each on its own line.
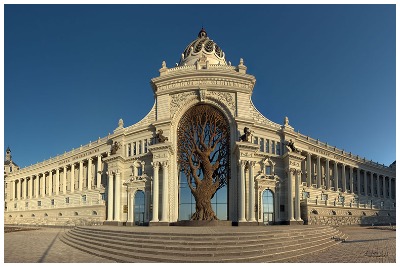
<point x="33" y="215"/>
<point x="46" y="215"/>
<point x="203" y="144"/>
<point x="139" y="207"/>
<point x="268" y="206"/>
<point x="333" y="212"/>
<point x="21" y="215"/>
<point x="94" y="212"/>
<point x="76" y="213"/>
<point x="60" y="214"/>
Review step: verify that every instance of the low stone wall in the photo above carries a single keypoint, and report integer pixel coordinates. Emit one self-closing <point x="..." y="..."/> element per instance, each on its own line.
<point x="86" y="215"/>
<point x="322" y="215"/>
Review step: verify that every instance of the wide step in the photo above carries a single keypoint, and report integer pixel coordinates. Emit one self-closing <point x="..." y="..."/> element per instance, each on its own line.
<point x="230" y="245"/>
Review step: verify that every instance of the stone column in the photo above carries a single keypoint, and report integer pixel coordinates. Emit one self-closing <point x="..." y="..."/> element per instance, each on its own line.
<point x="64" y="186"/>
<point x="277" y="203"/>
<point x="117" y="205"/>
<point x="365" y="183"/>
<point x="99" y="171"/>
<point x="80" y="175"/>
<point x="309" y="169"/>
<point x="131" y="206"/>
<point x="72" y="177"/>
<point x="344" y="186"/>
<point x="165" y="206"/>
<point x="23" y="184"/>
<point x="156" y="166"/>
<point x="336" y="176"/>
<point x="57" y="181"/>
<point x="15" y="186"/>
<point x="18" y="189"/>
<point x="89" y="182"/>
<point x="297" y="196"/>
<point x="372" y="184"/>
<point x="378" y="185"/>
<point x="43" y="186"/>
<point x="30" y="187"/>
<point x="251" y="213"/>
<point x="110" y="195"/>
<point x="50" y="182"/>
<point x="327" y="176"/>
<point x="358" y="182"/>
<point x="384" y="186"/>
<point x="241" y="192"/>
<point x="318" y="172"/>
<point x="37" y="186"/>
<point x="390" y="188"/>
<point x="351" y="180"/>
<point x="290" y="174"/>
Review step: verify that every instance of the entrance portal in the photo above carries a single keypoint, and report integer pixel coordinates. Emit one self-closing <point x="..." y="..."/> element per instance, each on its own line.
<point x="139" y="208"/>
<point x="268" y="207"/>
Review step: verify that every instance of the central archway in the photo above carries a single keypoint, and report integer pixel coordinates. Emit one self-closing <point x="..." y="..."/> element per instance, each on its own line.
<point x="203" y="159"/>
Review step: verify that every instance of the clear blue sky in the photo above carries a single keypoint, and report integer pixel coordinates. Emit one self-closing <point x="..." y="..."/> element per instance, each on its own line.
<point x="71" y="71"/>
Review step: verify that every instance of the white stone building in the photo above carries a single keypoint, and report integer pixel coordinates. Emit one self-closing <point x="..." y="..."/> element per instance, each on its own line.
<point x="278" y="176"/>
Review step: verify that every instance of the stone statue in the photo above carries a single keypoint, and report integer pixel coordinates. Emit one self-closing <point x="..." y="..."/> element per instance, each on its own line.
<point x="160" y="137"/>
<point x="120" y="124"/>
<point x="246" y="136"/>
<point x="286" y="121"/>
<point x="115" y="147"/>
<point x="290" y="146"/>
<point x="163" y="64"/>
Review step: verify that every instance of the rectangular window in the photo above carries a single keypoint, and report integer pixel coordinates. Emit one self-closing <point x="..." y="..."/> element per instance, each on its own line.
<point x="52" y="202"/>
<point x="267" y="145"/>
<point x="273" y="147"/>
<point x="278" y="148"/>
<point x="255" y="140"/>
<point x="140" y="147"/>
<point x="103" y="196"/>
<point x="268" y="170"/>
<point x="67" y="200"/>
<point x="140" y="171"/>
<point x="261" y="144"/>
<point x="129" y="150"/>
<point x="83" y="198"/>
<point x="145" y="145"/>
<point x="39" y="203"/>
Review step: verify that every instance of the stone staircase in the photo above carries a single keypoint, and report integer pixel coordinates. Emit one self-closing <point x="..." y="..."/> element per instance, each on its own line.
<point x="191" y="244"/>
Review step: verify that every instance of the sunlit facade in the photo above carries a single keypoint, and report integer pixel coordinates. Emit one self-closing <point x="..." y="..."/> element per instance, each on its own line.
<point x="132" y="176"/>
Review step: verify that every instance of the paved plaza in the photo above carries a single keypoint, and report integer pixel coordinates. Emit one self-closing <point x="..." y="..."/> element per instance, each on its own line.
<point x="365" y="244"/>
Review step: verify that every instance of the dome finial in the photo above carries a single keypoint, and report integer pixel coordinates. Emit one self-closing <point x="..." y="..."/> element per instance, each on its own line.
<point x="202" y="33"/>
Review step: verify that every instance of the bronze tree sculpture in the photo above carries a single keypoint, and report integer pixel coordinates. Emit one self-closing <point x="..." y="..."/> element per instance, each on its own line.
<point x="203" y="149"/>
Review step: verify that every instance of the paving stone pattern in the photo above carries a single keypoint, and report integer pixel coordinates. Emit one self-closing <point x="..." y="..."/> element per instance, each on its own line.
<point x="43" y="245"/>
<point x="364" y="244"/>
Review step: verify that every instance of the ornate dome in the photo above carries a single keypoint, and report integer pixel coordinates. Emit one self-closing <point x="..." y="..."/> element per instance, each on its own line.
<point x="203" y="48"/>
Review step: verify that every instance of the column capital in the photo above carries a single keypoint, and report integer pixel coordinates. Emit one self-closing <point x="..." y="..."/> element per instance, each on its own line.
<point x="155" y="164"/>
<point x="251" y="163"/>
<point x="164" y="163"/>
<point x="242" y="162"/>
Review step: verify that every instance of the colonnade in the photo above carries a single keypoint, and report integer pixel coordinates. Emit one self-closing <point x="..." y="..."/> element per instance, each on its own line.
<point x="114" y="193"/>
<point x="242" y="192"/>
<point x="353" y="179"/>
<point x="34" y="186"/>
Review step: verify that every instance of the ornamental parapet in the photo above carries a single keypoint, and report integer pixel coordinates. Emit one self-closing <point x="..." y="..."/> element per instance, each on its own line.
<point x="331" y="152"/>
<point x="64" y="159"/>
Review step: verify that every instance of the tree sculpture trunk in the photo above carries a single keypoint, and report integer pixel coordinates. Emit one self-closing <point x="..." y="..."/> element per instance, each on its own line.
<point x="203" y="149"/>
